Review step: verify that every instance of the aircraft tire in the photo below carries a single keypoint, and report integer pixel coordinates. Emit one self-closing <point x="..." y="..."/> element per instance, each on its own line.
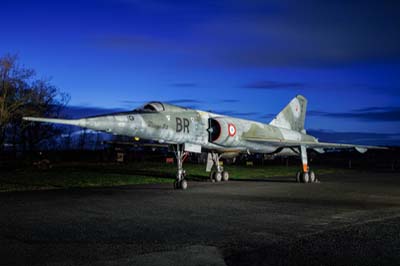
<point x="298" y="177"/>
<point x="183" y="184"/>
<point x="305" y="177"/>
<point x="212" y="176"/>
<point x="225" y="176"/>
<point x="313" y="179"/>
<point x="217" y="176"/>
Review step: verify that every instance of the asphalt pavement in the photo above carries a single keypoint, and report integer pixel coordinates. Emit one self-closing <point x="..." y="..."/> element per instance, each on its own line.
<point x="347" y="219"/>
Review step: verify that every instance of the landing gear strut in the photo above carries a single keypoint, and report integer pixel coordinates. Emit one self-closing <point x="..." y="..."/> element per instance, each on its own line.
<point x="181" y="155"/>
<point x="305" y="176"/>
<point x="218" y="174"/>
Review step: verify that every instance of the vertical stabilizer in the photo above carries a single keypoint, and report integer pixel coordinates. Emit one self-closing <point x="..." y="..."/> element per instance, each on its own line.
<point x="293" y="115"/>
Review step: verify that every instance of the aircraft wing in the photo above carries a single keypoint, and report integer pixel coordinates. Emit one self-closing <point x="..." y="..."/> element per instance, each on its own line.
<point x="313" y="145"/>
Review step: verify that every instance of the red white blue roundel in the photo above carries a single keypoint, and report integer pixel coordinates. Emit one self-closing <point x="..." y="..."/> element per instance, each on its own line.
<point x="231" y="130"/>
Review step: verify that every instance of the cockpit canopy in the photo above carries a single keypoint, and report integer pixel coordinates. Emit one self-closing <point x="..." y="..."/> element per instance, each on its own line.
<point x="157" y="107"/>
<point x="151" y="107"/>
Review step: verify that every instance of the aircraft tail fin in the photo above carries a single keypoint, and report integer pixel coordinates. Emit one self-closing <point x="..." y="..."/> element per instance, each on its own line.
<point x="293" y="115"/>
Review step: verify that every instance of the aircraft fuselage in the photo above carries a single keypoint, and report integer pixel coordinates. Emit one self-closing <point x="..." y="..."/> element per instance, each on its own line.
<point x="183" y="125"/>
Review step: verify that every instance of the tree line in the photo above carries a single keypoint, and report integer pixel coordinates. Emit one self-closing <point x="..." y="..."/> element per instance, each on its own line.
<point x="23" y="94"/>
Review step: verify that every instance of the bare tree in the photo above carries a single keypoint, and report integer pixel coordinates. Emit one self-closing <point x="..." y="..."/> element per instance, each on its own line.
<point x="12" y="91"/>
<point x="21" y="94"/>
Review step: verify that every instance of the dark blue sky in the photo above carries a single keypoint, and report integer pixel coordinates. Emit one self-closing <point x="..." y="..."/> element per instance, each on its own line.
<point x="244" y="58"/>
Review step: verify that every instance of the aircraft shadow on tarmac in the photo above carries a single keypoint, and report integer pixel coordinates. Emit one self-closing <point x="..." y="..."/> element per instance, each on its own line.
<point x="275" y="180"/>
<point x="201" y="178"/>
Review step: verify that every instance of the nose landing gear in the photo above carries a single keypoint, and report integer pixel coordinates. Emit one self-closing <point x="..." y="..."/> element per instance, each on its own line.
<point x="181" y="155"/>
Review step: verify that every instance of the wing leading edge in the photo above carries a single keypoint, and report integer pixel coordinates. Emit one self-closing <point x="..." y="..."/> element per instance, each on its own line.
<point x="313" y="145"/>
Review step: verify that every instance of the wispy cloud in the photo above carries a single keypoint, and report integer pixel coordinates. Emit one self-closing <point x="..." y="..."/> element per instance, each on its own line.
<point x="370" y="114"/>
<point x="132" y="42"/>
<point x="132" y="102"/>
<point x="228" y="101"/>
<point x="235" y="113"/>
<point x="356" y="137"/>
<point x="84" y="111"/>
<point x="388" y="89"/>
<point x="184" y="84"/>
<point x="183" y="101"/>
<point x="268" y="116"/>
<point x="276" y="33"/>
<point x="271" y="85"/>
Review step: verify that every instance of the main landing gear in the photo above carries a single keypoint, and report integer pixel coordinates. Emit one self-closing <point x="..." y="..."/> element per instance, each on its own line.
<point x="181" y="155"/>
<point x="217" y="174"/>
<point x="305" y="176"/>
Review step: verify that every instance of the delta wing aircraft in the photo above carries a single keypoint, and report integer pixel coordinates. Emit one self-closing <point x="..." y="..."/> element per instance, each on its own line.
<point x="195" y="131"/>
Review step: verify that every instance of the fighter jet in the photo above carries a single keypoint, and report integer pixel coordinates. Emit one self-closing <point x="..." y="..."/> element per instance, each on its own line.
<point x="194" y="131"/>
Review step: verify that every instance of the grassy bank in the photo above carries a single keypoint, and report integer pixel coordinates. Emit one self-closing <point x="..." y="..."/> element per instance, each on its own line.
<point x="68" y="175"/>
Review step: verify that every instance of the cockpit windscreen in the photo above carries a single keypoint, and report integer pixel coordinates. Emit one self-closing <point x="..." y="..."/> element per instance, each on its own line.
<point x="152" y="107"/>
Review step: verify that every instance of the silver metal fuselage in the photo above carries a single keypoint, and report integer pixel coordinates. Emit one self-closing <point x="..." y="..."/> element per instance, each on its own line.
<point x="183" y="125"/>
<point x="205" y="131"/>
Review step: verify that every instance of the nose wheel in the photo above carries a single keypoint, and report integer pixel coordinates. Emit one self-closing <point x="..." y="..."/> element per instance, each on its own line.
<point x="181" y="155"/>
<point x="180" y="184"/>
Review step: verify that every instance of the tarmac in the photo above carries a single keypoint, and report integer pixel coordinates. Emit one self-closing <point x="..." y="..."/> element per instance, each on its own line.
<point x="347" y="219"/>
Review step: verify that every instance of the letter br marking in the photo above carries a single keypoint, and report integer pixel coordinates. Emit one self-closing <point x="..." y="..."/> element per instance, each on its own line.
<point x="182" y="124"/>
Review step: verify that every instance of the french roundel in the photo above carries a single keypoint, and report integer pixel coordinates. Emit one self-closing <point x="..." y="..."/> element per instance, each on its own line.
<point x="231" y="130"/>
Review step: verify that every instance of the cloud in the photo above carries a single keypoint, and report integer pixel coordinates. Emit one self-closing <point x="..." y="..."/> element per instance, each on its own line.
<point x="75" y="111"/>
<point x="312" y="34"/>
<point x="132" y="42"/>
<point x="183" y="101"/>
<point x="132" y="102"/>
<point x="391" y="90"/>
<point x="270" y="85"/>
<point x="235" y="113"/>
<point x="184" y="85"/>
<point x="356" y="137"/>
<point x="84" y="111"/>
<point x="187" y="103"/>
<point x="370" y="114"/>
<point x="228" y="101"/>
<point x="284" y="33"/>
<point x="268" y="116"/>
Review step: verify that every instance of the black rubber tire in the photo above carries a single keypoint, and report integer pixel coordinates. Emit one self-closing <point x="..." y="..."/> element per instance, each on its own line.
<point x="305" y="177"/>
<point x="225" y="176"/>
<point x="212" y="176"/>
<point x="217" y="177"/>
<point x="313" y="178"/>
<point x="176" y="184"/>
<point x="298" y="177"/>
<point x="183" y="184"/>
